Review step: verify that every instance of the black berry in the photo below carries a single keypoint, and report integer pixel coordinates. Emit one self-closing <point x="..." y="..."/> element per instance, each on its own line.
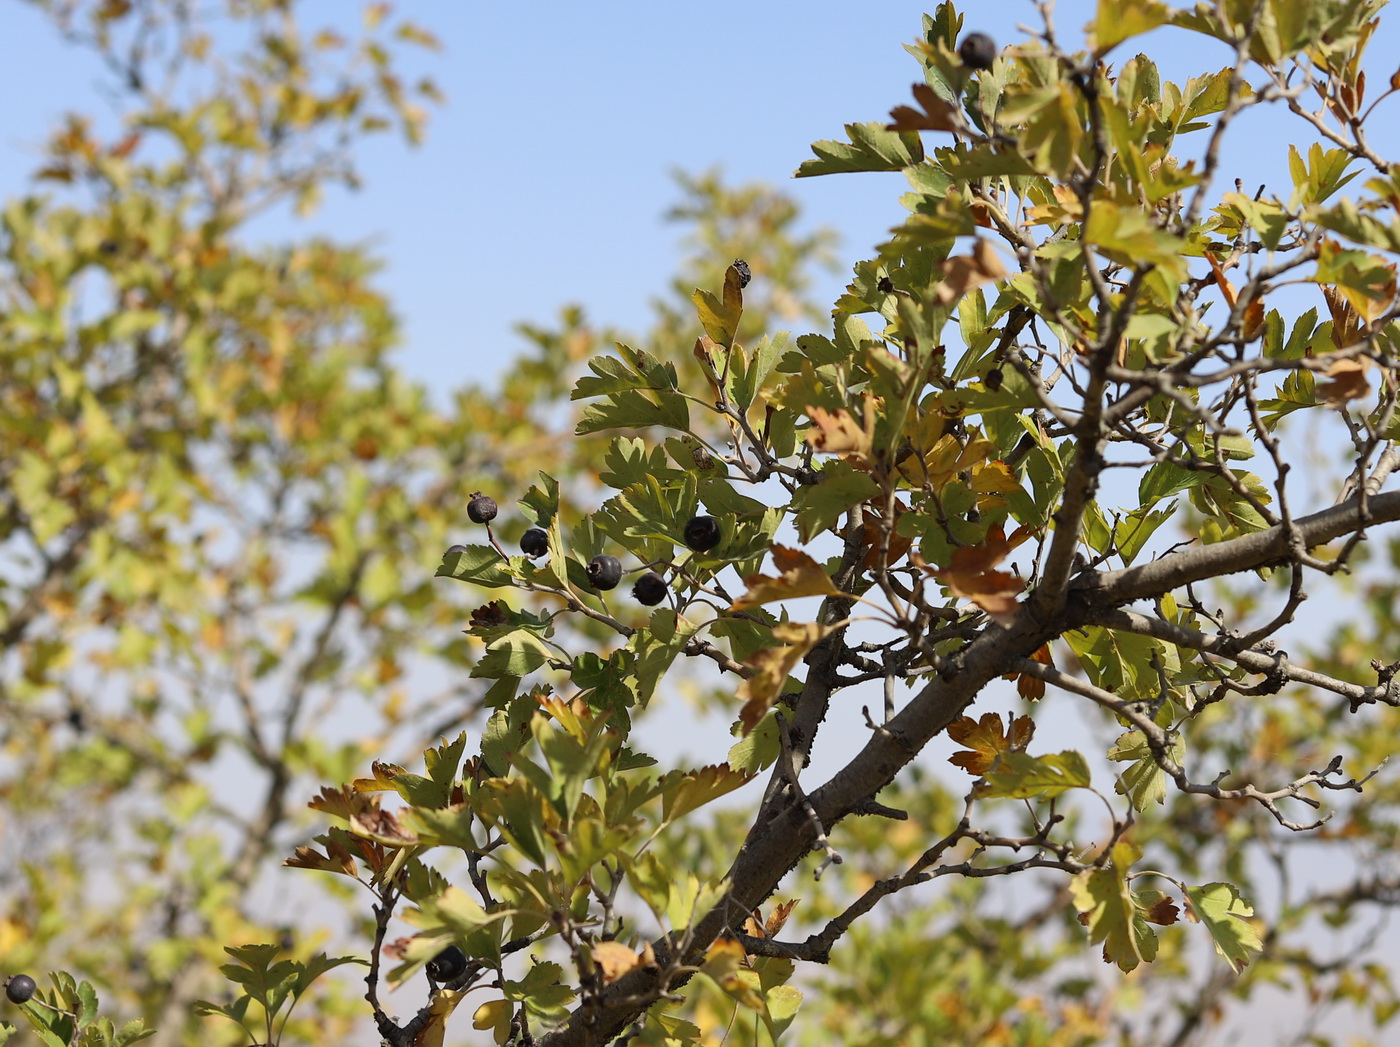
<point x="977" y="51"/>
<point x="456" y="549"/>
<point x="745" y="273"/>
<point x="535" y="542"/>
<point x="884" y="285"/>
<point x="604" y="572"/>
<point x="448" y="964"/>
<point x="702" y="533"/>
<point x="650" y="589"/>
<point x="482" y="508"/>
<point x="19" y="988"/>
<point x="994" y="379"/>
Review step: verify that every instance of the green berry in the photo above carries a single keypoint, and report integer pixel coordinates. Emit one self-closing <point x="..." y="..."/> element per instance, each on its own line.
<point x="702" y="533"/>
<point x="19" y="988"/>
<point x="482" y="508"/>
<point x="650" y="589"/>
<point x="534" y="542"/>
<point x="604" y="572"/>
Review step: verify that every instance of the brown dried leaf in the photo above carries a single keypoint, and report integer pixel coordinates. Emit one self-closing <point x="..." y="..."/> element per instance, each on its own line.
<point x="771" y="667"/>
<point x="836" y="432"/>
<point x="801" y="576"/>
<point x="986" y="739"/>
<point x="1346" y="382"/>
<point x="934" y="115"/>
<point x="871" y="529"/>
<point x="962" y="273"/>
<point x="779" y="916"/>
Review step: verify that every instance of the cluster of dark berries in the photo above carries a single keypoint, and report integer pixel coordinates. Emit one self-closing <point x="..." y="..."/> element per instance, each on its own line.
<point x="19" y="988"/>
<point x="701" y="533"/>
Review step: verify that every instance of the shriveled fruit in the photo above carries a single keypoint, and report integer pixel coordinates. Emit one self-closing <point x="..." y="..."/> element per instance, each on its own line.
<point x="745" y="273"/>
<point x="19" y="988"/>
<point x="701" y="533"/>
<point x="977" y="51"/>
<point x="448" y="964"/>
<point x="604" y="572"/>
<point x="650" y="589"/>
<point x="482" y="508"/>
<point x="535" y="542"/>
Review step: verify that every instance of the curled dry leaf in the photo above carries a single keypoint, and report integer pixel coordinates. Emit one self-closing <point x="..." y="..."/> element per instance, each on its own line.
<point x="836" y="432"/>
<point x="963" y="273"/>
<point x="771" y="667"/>
<point x="801" y="576"/>
<point x="934" y="113"/>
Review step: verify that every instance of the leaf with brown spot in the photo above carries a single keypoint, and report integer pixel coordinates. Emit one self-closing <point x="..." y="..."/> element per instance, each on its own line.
<point x="934" y="113"/>
<point x="721" y="318"/>
<point x="1158" y="908"/>
<point x="382" y="827"/>
<point x="772" y="665"/>
<point x="986" y="739"/>
<point x="801" y="576"/>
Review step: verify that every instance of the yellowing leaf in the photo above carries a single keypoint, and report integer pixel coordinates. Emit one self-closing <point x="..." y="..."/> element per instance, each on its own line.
<point x="682" y="793"/>
<point x="1120" y="19"/>
<point x="836" y="432"/>
<point x="771" y="667"/>
<point x="801" y="576"/>
<point x="444" y="1002"/>
<point x="1221" y="910"/>
<point x="494" y="1016"/>
<point x="1108" y="909"/>
<point x="986" y="739"/>
<point x="615" y="959"/>
<point x="721" y="318"/>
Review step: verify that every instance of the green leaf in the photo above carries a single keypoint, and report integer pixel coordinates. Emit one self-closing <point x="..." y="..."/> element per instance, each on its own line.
<point x="1226" y="916"/>
<point x="1117" y="20"/>
<point x="517" y="654"/>
<point x="820" y="506"/>
<point x="871" y="148"/>
<point x="479" y="564"/>
<point x="1143" y="781"/>
<point x="1113" y="917"/>
<point x="1021" y="776"/>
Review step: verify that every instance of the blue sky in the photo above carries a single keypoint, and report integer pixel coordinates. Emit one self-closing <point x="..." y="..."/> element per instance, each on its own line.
<point x="544" y="178"/>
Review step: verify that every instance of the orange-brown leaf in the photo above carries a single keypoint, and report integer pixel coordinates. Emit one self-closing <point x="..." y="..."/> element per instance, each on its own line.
<point x="962" y="273"/>
<point x="1346" y="381"/>
<point x="986" y="739"/>
<point x="836" y="432"/>
<point x="801" y="576"/>
<point x="934" y="113"/>
<point x="1163" y="911"/>
<point x="615" y="959"/>
<point x="771" y="667"/>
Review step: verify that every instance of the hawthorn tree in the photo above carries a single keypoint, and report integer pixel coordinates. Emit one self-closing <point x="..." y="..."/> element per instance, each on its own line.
<point x="1050" y="437"/>
<point x="1036" y="473"/>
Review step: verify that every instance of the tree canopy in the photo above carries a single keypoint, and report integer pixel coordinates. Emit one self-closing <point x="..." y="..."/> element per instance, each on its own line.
<point x="998" y="568"/>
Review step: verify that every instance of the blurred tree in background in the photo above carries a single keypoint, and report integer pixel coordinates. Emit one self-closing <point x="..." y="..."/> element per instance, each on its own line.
<point x="222" y="507"/>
